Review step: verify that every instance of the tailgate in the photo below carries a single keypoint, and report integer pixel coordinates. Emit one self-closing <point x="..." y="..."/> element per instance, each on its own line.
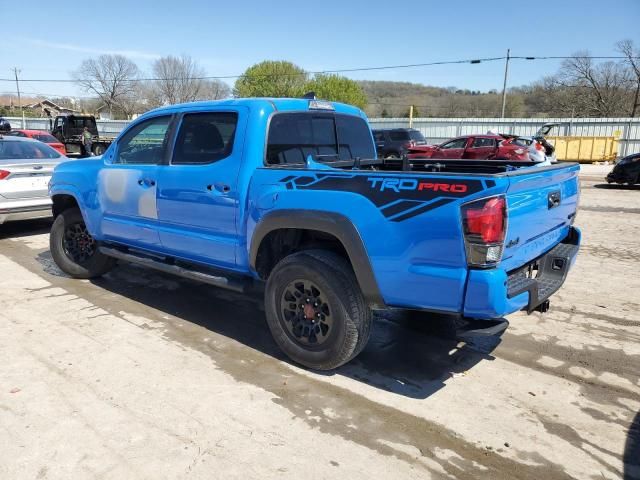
<point x="541" y="205"/>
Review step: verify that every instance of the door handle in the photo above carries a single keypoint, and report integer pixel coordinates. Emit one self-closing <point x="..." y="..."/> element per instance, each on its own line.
<point x="219" y="187"/>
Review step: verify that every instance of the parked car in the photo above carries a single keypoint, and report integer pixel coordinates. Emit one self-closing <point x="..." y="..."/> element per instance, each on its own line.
<point x="626" y="170"/>
<point x="25" y="170"/>
<point x="394" y="142"/>
<point x="540" y="150"/>
<point x="284" y="195"/>
<point x="481" y="147"/>
<point x="42" y="136"/>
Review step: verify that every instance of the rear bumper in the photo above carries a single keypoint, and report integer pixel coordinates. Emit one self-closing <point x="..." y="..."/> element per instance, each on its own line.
<point x="25" y="210"/>
<point x="495" y="293"/>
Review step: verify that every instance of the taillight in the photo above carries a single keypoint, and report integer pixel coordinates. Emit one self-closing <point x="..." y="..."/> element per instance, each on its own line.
<point x="539" y="147"/>
<point x="484" y="223"/>
<point x="4" y="174"/>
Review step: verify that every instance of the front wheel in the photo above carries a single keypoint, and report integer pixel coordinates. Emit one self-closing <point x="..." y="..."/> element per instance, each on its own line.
<point x="74" y="250"/>
<point x="316" y="311"/>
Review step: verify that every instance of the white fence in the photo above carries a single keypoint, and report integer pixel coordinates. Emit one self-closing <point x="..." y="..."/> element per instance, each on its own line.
<point x="437" y="130"/>
<point x="105" y="127"/>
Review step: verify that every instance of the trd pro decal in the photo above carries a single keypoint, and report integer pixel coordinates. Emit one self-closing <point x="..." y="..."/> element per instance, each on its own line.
<point x="398" y="198"/>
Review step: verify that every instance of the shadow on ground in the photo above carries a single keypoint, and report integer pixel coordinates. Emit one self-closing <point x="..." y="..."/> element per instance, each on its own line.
<point x="615" y="186"/>
<point x="407" y="356"/>
<point x="404" y="356"/>
<point x="25" y="228"/>
<point x="631" y="457"/>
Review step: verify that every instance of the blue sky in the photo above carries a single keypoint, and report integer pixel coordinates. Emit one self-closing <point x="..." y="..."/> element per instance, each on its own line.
<point x="227" y="37"/>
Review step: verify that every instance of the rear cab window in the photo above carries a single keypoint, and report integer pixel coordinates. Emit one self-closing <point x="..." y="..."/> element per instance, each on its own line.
<point x="326" y="137"/>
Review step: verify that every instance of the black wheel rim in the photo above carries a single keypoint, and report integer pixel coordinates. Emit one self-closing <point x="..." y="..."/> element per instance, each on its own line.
<point x="78" y="245"/>
<point x="306" y="314"/>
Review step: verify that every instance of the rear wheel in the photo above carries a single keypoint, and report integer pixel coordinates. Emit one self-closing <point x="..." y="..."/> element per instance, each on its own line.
<point x="315" y="309"/>
<point x="74" y="250"/>
<point x="99" y="149"/>
<point x="392" y="156"/>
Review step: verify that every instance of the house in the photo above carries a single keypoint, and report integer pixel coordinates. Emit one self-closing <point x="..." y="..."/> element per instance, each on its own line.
<point x="10" y="104"/>
<point x="47" y="108"/>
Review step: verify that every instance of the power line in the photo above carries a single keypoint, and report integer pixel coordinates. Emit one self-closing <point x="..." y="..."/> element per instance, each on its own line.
<point x="342" y="70"/>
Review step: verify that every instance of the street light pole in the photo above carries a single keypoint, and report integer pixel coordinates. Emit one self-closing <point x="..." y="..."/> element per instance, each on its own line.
<point x="504" y="85"/>
<point x="15" y="71"/>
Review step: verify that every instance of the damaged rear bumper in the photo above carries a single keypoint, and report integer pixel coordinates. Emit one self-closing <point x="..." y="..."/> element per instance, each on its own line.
<point x="495" y="293"/>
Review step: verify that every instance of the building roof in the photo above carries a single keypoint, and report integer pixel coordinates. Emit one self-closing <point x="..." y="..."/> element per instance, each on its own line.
<point x="50" y="104"/>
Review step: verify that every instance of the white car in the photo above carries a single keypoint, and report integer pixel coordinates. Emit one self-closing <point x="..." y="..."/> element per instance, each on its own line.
<point x="26" y="166"/>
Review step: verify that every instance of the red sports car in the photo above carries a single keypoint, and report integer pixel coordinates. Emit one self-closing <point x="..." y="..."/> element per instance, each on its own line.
<point x="43" y="136"/>
<point x="480" y="147"/>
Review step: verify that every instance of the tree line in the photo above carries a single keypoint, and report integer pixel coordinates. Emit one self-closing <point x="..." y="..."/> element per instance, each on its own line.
<point x="582" y="87"/>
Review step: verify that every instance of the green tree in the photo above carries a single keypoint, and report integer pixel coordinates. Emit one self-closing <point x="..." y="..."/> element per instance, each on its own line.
<point x="271" y="79"/>
<point x="337" y="89"/>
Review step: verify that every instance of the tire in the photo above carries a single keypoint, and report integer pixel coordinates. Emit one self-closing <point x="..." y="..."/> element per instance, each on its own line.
<point x="74" y="250"/>
<point x="341" y="322"/>
<point x="392" y="156"/>
<point x="98" y="149"/>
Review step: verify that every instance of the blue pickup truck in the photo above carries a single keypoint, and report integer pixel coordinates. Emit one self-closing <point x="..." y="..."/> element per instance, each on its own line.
<point x="286" y="197"/>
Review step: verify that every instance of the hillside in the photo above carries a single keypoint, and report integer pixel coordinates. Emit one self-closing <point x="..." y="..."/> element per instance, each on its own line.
<point x="392" y="99"/>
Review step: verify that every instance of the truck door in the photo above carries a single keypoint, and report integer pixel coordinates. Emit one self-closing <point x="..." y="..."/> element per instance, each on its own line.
<point x="481" y="148"/>
<point x="58" y="129"/>
<point x="197" y="192"/>
<point x="127" y="183"/>
<point x="452" y="149"/>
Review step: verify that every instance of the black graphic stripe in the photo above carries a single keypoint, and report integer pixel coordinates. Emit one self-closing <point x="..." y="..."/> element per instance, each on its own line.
<point x="425" y="208"/>
<point x="399" y="207"/>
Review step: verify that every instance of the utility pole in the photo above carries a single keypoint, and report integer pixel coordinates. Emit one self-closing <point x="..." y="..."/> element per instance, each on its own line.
<point x="504" y="85"/>
<point x="15" y="71"/>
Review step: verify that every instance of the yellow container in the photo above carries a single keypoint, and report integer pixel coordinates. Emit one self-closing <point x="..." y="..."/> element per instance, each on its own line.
<point x="585" y="149"/>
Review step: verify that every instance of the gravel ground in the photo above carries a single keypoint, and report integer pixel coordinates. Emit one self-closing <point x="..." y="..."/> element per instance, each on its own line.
<point x="143" y="375"/>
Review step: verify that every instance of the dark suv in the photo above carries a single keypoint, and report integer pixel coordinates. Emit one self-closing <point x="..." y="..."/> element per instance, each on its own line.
<point x="394" y="142"/>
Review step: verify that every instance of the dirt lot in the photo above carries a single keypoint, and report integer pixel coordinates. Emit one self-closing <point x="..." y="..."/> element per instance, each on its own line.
<point x="142" y="375"/>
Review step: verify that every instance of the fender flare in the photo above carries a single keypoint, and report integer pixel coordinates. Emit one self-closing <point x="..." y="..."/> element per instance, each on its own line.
<point x="71" y="191"/>
<point x="327" y="222"/>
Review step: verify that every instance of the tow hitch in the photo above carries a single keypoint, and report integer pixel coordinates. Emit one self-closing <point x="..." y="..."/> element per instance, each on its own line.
<point x="543" y="307"/>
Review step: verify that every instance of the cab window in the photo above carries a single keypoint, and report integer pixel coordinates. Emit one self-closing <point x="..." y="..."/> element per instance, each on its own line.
<point x="144" y="143"/>
<point x="205" y="138"/>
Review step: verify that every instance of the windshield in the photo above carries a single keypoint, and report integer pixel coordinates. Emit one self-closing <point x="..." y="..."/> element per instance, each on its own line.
<point x="45" y="137"/>
<point x="416" y="136"/>
<point x="13" y="150"/>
